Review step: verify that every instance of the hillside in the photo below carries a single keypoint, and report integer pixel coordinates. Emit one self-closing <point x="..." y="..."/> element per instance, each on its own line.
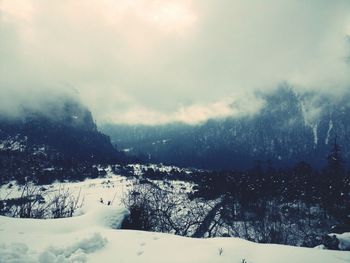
<point x="59" y="142"/>
<point x="290" y="128"/>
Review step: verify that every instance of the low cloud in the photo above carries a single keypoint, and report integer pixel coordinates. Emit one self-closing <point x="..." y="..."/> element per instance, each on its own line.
<point x="239" y="106"/>
<point x="152" y="61"/>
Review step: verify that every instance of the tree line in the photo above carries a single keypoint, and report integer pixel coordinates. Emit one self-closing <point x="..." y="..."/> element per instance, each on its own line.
<point x="294" y="206"/>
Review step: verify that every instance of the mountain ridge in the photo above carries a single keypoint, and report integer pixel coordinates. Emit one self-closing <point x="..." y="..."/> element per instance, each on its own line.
<point x="291" y="127"/>
<point x="67" y="126"/>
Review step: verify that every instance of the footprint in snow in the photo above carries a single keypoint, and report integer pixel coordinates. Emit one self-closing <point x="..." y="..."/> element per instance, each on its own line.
<point x="139" y="253"/>
<point x="142" y="244"/>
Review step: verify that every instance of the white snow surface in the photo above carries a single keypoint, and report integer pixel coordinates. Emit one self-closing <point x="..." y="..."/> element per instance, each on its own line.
<point x="94" y="236"/>
<point x="315" y="132"/>
<point x="330" y="127"/>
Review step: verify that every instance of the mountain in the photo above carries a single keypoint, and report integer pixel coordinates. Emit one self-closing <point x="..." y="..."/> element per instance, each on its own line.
<point x="291" y="127"/>
<point x="67" y="127"/>
<point x="57" y="142"/>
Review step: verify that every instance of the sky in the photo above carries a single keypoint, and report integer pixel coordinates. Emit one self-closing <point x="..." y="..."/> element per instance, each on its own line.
<point x="162" y="61"/>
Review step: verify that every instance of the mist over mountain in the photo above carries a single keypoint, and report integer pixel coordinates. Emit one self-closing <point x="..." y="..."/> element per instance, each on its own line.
<point x="62" y="125"/>
<point x="158" y="62"/>
<point x="291" y="127"/>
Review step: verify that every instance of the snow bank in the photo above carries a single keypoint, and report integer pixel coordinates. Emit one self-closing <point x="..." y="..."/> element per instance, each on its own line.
<point x="74" y="253"/>
<point x="108" y="216"/>
<point x="19" y="252"/>
<point x="16" y="252"/>
<point x="101" y="217"/>
<point x="344" y="240"/>
<point x="65" y="240"/>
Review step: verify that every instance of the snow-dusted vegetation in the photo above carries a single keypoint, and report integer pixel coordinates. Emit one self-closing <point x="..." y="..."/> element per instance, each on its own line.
<point x="93" y="230"/>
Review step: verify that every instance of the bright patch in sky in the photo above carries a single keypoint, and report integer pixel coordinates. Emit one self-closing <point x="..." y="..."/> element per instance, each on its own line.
<point x="171" y="16"/>
<point x="21" y="10"/>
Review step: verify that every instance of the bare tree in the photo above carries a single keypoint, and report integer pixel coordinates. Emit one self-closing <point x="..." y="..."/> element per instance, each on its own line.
<point x="159" y="210"/>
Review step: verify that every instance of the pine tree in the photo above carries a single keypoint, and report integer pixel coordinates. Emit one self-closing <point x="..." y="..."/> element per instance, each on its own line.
<point x="335" y="175"/>
<point x="335" y="161"/>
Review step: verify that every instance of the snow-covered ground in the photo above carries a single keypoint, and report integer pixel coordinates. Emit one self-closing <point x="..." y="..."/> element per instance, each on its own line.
<point x="138" y="169"/>
<point x="93" y="236"/>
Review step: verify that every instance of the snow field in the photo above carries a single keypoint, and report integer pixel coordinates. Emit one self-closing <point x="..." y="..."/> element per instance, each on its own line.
<point x="93" y="236"/>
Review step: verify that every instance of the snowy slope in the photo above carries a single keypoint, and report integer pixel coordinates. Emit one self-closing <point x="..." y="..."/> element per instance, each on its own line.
<point x="89" y="239"/>
<point x="93" y="237"/>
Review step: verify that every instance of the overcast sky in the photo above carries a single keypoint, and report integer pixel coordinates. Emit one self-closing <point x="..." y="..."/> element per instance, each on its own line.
<point x="158" y="61"/>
